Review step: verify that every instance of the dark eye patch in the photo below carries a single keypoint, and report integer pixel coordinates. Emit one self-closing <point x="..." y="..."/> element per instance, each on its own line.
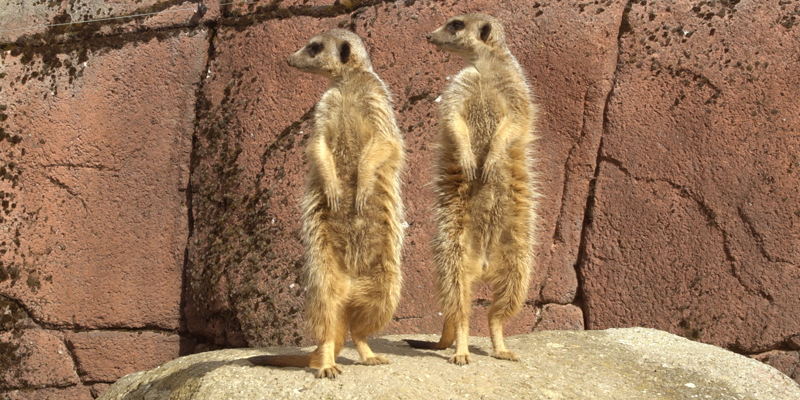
<point x="314" y="49"/>
<point x="485" y="31"/>
<point x="344" y="53"/>
<point x="455" y="26"/>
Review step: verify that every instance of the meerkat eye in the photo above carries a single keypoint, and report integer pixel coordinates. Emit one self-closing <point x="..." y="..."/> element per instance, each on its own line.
<point x="344" y="53"/>
<point x="485" y="31"/>
<point x="314" y="49"/>
<point x="455" y="26"/>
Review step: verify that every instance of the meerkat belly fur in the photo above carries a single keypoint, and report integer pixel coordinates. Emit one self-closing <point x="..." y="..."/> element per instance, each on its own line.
<point x="352" y="211"/>
<point x="486" y="198"/>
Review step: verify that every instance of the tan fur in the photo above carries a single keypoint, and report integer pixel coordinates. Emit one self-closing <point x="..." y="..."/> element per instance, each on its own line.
<point x="486" y="197"/>
<point x="352" y="211"/>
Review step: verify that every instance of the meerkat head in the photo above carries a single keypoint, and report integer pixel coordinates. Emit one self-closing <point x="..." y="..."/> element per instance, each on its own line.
<point x="331" y="54"/>
<point x="470" y="35"/>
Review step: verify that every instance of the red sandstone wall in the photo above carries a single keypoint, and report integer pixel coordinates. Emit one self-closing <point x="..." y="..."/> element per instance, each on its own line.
<point x="151" y="170"/>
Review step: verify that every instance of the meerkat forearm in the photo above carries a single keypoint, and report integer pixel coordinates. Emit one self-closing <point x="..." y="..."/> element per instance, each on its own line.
<point x="461" y="139"/>
<point x="507" y="132"/>
<point x="375" y="155"/>
<point x="323" y="158"/>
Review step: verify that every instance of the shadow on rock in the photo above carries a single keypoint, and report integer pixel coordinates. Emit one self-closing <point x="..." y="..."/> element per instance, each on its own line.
<point x="186" y="380"/>
<point x="400" y="347"/>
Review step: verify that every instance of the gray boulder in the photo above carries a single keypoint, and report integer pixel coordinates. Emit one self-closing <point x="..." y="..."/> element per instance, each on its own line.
<point x="632" y="363"/>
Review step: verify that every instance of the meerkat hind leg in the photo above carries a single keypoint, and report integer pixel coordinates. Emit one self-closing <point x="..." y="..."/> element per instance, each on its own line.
<point x="461" y="356"/>
<point x="369" y="311"/>
<point x="509" y="286"/>
<point x="459" y="305"/>
<point x="498" y="341"/>
<point x="359" y="334"/>
<point x="327" y="313"/>
<point x="367" y="356"/>
<point x="324" y="359"/>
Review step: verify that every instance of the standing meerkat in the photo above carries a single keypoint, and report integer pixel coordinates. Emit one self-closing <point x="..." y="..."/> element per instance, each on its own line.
<point x="352" y="211"/>
<point x="485" y="194"/>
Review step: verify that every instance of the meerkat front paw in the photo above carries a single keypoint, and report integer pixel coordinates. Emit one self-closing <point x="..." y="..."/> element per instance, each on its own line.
<point x="362" y="194"/>
<point x="469" y="166"/>
<point x="489" y="169"/>
<point x="333" y="192"/>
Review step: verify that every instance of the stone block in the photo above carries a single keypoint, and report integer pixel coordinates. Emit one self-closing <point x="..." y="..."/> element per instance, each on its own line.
<point x="78" y="392"/>
<point x="560" y="317"/>
<point x="694" y="221"/>
<point x="35" y="358"/>
<point x="105" y="356"/>
<point x="96" y="148"/>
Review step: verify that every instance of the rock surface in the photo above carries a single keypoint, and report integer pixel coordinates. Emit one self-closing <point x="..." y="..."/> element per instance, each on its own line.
<point x="103" y="356"/>
<point x="99" y="222"/>
<point x="43" y="360"/>
<point x="634" y="363"/>
<point x="695" y="219"/>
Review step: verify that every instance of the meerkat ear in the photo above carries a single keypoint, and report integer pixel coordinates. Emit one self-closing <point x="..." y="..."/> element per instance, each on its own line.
<point x="485" y="31"/>
<point x="344" y="52"/>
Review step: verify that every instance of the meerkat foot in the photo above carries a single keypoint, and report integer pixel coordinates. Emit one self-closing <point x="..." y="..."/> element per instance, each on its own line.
<point x="329" y="372"/>
<point x="375" y="360"/>
<point x="506" y="355"/>
<point x="460" y="359"/>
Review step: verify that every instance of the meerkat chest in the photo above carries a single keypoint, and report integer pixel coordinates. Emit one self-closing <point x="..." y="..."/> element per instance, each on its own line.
<point x="345" y="127"/>
<point x="481" y="104"/>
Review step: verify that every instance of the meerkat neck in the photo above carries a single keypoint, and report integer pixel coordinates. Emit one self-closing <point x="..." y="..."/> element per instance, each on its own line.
<point x="343" y="76"/>
<point x="490" y="61"/>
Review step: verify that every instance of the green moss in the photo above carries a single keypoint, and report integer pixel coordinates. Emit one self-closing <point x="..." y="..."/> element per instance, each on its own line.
<point x="12" y="315"/>
<point x="12" y="319"/>
<point x="10" y="357"/>
<point x="33" y="281"/>
<point x="233" y="261"/>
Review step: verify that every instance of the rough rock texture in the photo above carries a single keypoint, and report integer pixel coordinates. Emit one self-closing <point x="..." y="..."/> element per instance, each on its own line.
<point x="97" y="213"/>
<point x="668" y="161"/>
<point x="25" y="22"/>
<point x="95" y="143"/>
<point x="43" y="360"/>
<point x="103" y="356"/>
<point x="614" y="364"/>
<point x="786" y="361"/>
<point x="71" y="393"/>
<point x="694" y="223"/>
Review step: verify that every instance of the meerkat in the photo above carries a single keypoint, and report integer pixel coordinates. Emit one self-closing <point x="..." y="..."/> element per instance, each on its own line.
<point x="352" y="210"/>
<point x="486" y="197"/>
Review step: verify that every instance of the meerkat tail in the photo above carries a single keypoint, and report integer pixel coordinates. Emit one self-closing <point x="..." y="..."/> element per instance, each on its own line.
<point x="299" y="361"/>
<point x="447" y="339"/>
<point x="421" y="344"/>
